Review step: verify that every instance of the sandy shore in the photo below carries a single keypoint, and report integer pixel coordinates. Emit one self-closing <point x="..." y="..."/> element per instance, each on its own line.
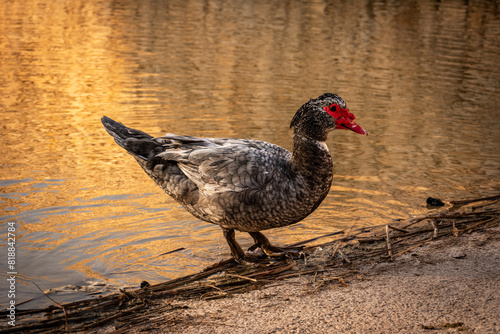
<point x="450" y="285"/>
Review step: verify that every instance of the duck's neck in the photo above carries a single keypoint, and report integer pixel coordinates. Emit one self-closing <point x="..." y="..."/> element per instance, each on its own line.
<point x="312" y="159"/>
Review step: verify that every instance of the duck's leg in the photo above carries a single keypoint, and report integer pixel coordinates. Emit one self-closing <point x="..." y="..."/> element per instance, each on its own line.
<point x="236" y="250"/>
<point x="264" y="244"/>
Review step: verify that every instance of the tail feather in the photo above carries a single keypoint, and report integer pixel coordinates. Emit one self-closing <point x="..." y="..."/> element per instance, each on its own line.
<point x="136" y="142"/>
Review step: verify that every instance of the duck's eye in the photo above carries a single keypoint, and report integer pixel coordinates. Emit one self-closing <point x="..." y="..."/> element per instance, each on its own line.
<point x="333" y="110"/>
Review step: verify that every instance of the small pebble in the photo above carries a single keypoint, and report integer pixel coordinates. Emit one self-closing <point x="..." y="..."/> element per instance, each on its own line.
<point x="434" y="201"/>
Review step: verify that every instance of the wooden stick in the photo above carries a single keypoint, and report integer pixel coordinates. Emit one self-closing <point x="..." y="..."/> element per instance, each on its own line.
<point x="470" y="228"/>
<point x="313" y="239"/>
<point x="411" y="248"/>
<point x="216" y="288"/>
<point x="243" y="277"/>
<point x="455" y="230"/>
<point x="435" y="234"/>
<point x="58" y="304"/>
<point x="275" y="271"/>
<point x="336" y="248"/>
<point x="346" y="259"/>
<point x="467" y="201"/>
<point x="389" y="248"/>
<point x="397" y="229"/>
<point x="416" y="221"/>
<point x="173" y="251"/>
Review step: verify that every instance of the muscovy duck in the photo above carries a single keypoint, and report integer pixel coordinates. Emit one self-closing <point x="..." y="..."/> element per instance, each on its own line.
<point x="241" y="184"/>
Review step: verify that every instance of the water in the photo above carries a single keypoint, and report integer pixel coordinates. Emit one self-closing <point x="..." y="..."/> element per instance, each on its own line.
<point x="422" y="78"/>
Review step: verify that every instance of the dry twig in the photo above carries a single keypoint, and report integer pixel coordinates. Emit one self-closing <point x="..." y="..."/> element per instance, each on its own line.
<point x="389" y="247"/>
<point x="61" y="306"/>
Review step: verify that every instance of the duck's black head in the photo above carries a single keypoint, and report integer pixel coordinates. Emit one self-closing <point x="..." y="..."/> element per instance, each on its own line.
<point x="319" y="116"/>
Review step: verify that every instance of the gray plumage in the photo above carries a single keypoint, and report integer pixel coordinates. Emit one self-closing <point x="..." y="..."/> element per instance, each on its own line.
<point x="241" y="184"/>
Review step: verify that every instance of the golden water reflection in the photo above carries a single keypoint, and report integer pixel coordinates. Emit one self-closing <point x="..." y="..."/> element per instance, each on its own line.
<point x="420" y="76"/>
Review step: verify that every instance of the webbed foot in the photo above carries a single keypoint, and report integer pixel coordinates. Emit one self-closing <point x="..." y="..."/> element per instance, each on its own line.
<point x="260" y="242"/>
<point x="263" y="243"/>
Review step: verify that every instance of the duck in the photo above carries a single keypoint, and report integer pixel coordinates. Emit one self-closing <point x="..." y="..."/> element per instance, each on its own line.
<point x="242" y="184"/>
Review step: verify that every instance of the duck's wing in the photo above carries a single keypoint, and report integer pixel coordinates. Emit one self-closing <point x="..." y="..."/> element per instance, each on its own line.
<point x="222" y="165"/>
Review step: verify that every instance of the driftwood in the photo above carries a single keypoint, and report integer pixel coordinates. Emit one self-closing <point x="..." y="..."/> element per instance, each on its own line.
<point x="332" y="262"/>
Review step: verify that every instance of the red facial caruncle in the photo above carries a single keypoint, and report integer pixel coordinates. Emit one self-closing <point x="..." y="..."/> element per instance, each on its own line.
<point x="344" y="118"/>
